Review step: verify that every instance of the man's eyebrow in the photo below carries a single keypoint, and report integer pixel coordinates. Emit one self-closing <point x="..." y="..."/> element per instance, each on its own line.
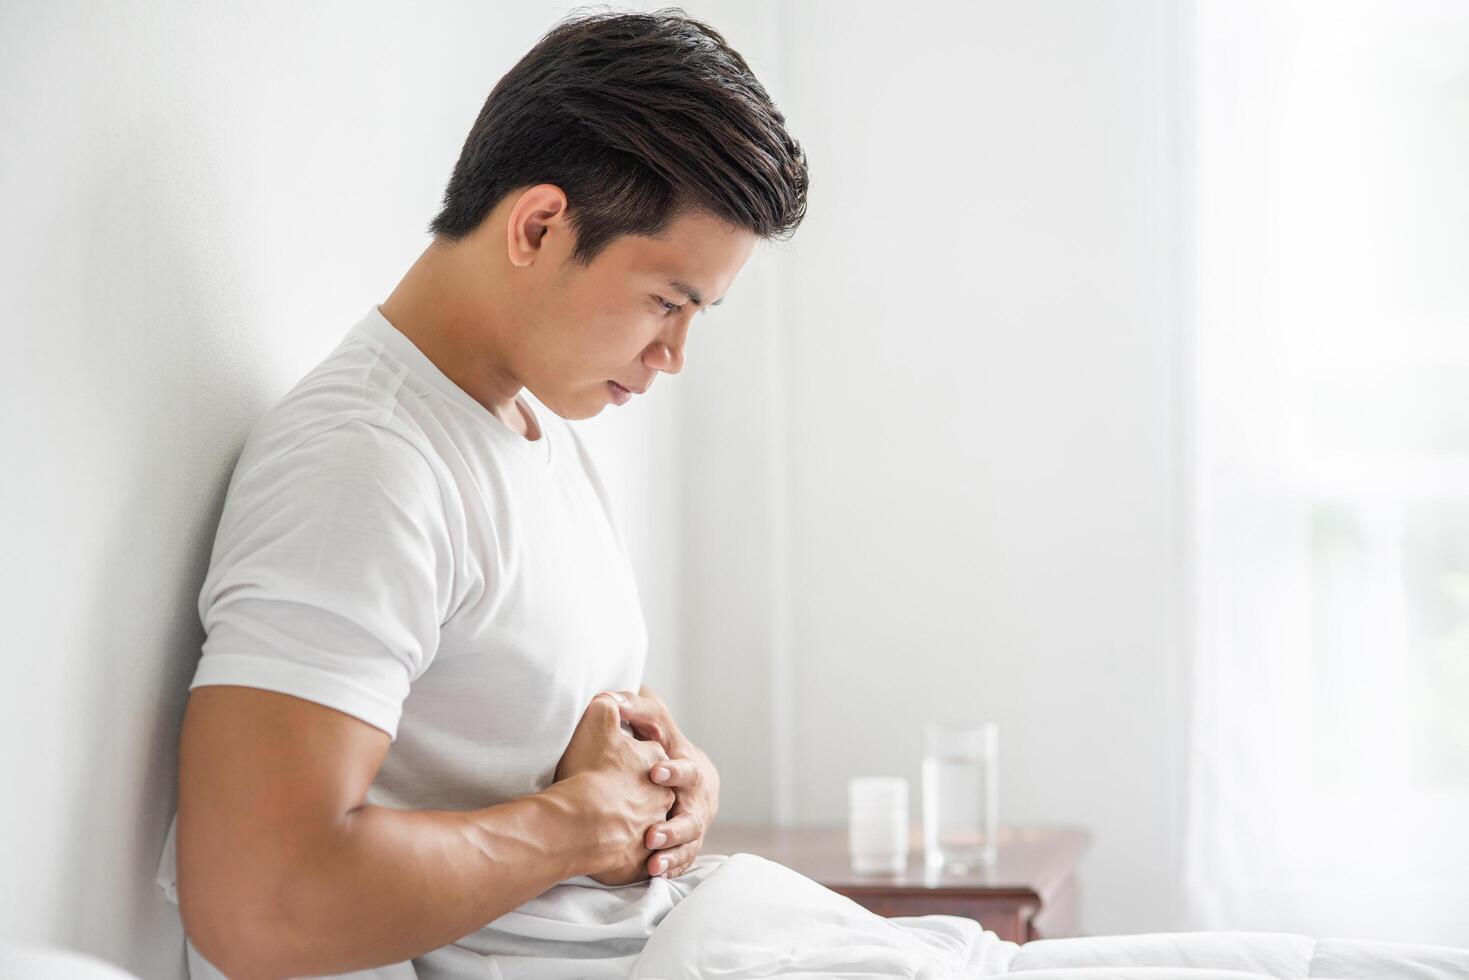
<point x="692" y="293"/>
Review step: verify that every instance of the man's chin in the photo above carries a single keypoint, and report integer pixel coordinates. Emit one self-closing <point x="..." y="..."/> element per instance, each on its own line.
<point x="582" y="408"/>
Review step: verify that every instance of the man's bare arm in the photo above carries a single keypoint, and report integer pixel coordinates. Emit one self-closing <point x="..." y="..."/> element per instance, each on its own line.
<point x="283" y="871"/>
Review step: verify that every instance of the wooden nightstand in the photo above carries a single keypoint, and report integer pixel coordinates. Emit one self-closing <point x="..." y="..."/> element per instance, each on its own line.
<point x="1029" y="893"/>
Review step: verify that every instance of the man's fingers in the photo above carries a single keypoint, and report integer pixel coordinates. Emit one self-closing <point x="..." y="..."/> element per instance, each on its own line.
<point x="652" y="754"/>
<point x="675" y="772"/>
<point x="649" y="718"/>
<point x="674" y="861"/>
<point x="673" y="832"/>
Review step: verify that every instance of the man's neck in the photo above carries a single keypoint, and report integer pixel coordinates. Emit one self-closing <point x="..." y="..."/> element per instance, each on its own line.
<point x="435" y="307"/>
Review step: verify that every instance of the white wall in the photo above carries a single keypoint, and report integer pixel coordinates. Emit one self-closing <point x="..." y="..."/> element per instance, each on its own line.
<point x="974" y="447"/>
<point x="198" y="202"/>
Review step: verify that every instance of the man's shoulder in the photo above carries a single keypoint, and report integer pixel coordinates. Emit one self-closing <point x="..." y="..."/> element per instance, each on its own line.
<point x="353" y="401"/>
<point x="354" y="381"/>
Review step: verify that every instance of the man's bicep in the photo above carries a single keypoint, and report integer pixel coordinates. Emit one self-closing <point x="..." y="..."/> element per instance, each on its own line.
<point x="265" y="779"/>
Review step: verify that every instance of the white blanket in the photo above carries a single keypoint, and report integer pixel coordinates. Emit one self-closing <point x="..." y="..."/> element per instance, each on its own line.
<point x="753" y="918"/>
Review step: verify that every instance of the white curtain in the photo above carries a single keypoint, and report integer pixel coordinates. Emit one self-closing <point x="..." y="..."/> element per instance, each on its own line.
<point x="1329" y="755"/>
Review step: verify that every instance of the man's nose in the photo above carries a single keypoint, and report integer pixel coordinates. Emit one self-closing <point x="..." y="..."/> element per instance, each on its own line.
<point x="661" y="357"/>
<point x="668" y="355"/>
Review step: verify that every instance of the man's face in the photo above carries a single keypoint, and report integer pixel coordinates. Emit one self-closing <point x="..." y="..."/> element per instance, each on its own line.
<point x="625" y="317"/>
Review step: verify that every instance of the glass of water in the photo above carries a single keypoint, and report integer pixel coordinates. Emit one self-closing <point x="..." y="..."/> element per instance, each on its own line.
<point x="960" y="783"/>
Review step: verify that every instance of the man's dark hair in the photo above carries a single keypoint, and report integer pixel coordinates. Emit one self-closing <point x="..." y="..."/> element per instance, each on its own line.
<point x="637" y="117"/>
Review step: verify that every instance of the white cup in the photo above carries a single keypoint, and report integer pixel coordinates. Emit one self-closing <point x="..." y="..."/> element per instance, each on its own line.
<point x="877" y="824"/>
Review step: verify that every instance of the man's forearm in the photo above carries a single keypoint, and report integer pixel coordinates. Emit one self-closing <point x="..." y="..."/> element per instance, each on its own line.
<point x="394" y="884"/>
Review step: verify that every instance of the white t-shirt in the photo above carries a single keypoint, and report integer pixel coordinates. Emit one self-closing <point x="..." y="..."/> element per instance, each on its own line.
<point x="391" y="549"/>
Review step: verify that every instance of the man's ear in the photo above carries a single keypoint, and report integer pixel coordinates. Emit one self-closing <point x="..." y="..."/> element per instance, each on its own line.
<point x="538" y="212"/>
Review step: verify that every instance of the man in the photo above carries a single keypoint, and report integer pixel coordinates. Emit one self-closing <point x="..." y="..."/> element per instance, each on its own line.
<point x="416" y="743"/>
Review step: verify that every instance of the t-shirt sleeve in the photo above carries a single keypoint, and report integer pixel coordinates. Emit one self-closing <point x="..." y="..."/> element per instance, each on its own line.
<point x="330" y="574"/>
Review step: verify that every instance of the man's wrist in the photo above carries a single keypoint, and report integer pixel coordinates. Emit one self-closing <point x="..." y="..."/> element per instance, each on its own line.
<point x="578" y="841"/>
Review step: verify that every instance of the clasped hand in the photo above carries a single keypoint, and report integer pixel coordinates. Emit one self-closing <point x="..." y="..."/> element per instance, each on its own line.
<point x="647" y="792"/>
<point x="688" y="771"/>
